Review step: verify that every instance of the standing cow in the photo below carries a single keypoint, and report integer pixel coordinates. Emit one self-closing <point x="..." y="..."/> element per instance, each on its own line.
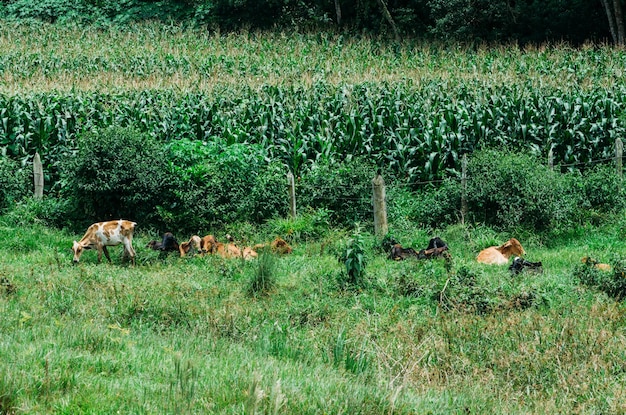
<point x="103" y="234"/>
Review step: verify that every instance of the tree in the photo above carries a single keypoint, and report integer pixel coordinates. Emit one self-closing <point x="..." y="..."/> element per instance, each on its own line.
<point x="615" y="16"/>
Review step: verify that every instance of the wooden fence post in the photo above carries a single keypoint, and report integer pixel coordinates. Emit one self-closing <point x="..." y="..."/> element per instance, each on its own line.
<point x="292" y="194"/>
<point x="38" y="176"/>
<point x="619" y="151"/>
<point x="463" y="188"/>
<point x="380" y="207"/>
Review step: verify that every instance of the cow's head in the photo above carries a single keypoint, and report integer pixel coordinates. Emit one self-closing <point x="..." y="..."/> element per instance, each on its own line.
<point x="512" y="247"/>
<point x="78" y="250"/>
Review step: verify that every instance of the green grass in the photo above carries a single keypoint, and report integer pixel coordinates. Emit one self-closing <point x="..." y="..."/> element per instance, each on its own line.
<point x="175" y="335"/>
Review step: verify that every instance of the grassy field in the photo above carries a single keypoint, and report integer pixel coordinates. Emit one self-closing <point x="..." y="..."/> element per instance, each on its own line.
<point x="173" y="335"/>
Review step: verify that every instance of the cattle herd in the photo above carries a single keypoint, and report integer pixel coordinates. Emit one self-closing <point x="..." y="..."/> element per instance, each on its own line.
<point x="110" y="233"/>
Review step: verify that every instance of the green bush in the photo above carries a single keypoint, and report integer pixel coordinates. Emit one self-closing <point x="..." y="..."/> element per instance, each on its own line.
<point x="217" y="184"/>
<point x="13" y="183"/>
<point x="511" y="191"/>
<point x="118" y="173"/>
<point x="344" y="189"/>
<point x="48" y="211"/>
<point x="430" y="207"/>
<point x="603" y="189"/>
<point x="612" y="282"/>
<point x="354" y="259"/>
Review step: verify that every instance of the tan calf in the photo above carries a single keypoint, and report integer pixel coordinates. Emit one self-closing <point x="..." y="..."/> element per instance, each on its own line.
<point x="499" y="255"/>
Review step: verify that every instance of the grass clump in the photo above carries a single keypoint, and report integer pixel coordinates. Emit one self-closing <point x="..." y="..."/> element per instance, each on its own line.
<point x="264" y="278"/>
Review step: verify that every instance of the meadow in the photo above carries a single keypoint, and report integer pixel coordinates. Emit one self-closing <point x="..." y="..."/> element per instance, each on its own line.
<point x="188" y="335"/>
<point x="295" y="334"/>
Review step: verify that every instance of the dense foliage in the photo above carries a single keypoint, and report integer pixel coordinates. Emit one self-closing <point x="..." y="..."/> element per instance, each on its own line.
<point x="416" y="131"/>
<point x="116" y="173"/>
<point x="483" y="21"/>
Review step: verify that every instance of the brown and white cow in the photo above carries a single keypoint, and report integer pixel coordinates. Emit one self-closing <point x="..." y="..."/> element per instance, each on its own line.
<point x="103" y="234"/>
<point x="499" y="255"/>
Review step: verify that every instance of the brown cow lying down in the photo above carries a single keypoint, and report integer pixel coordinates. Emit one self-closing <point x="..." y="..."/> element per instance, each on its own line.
<point x="278" y="245"/>
<point x="592" y="262"/>
<point x="193" y="243"/>
<point x="209" y="245"/>
<point x="499" y="255"/>
<point x="436" y="248"/>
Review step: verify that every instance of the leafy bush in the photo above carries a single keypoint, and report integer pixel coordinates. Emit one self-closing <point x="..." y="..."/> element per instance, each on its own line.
<point x="508" y="190"/>
<point x="429" y="207"/>
<point x="603" y="189"/>
<point x="264" y="278"/>
<point x="219" y="184"/>
<point x="118" y="173"/>
<point x="343" y="188"/>
<point x="13" y="183"/>
<point x="48" y="211"/>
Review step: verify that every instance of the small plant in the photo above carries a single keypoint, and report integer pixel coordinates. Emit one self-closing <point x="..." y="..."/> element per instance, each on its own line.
<point x="353" y="257"/>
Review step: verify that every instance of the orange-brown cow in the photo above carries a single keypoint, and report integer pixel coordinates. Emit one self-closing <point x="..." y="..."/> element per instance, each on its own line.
<point x="103" y="234"/>
<point x="499" y="255"/>
<point x="194" y="242"/>
<point x="278" y="245"/>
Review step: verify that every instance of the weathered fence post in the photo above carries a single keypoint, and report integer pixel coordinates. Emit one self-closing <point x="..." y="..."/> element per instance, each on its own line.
<point x="463" y="188"/>
<point x="292" y="194"/>
<point x="619" y="151"/>
<point x="38" y="176"/>
<point x="380" y="207"/>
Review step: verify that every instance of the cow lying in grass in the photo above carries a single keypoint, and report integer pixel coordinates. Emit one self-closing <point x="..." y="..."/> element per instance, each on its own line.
<point x="593" y="263"/>
<point x="520" y="265"/>
<point x="103" y="234"/>
<point x="499" y="255"/>
<point x="278" y="245"/>
<point x="436" y="248"/>
<point x="168" y="243"/>
<point x="209" y="245"/>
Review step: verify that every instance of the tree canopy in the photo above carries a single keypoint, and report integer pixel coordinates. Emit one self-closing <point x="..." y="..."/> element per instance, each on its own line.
<point x="521" y="21"/>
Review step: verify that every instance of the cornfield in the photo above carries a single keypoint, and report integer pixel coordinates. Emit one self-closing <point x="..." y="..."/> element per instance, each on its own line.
<point x="414" y="109"/>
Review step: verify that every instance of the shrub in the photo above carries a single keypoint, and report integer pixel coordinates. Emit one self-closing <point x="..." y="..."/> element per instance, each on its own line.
<point x="613" y="282"/>
<point x="48" y="211"/>
<point x="118" y="173"/>
<point x="219" y="184"/>
<point x="430" y="207"/>
<point x="508" y="190"/>
<point x="354" y="260"/>
<point x="264" y="278"/>
<point x="344" y="189"/>
<point x="13" y="183"/>
<point x="603" y="189"/>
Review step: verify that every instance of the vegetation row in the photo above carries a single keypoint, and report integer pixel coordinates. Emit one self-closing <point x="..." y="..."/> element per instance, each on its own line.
<point x="418" y="131"/>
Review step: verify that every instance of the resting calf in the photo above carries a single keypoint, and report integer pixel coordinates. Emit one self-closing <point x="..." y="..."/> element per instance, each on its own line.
<point x="499" y="255"/>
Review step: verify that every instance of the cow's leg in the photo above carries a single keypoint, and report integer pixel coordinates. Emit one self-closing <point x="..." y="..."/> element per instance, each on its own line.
<point x="106" y="253"/>
<point x="129" y="250"/>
